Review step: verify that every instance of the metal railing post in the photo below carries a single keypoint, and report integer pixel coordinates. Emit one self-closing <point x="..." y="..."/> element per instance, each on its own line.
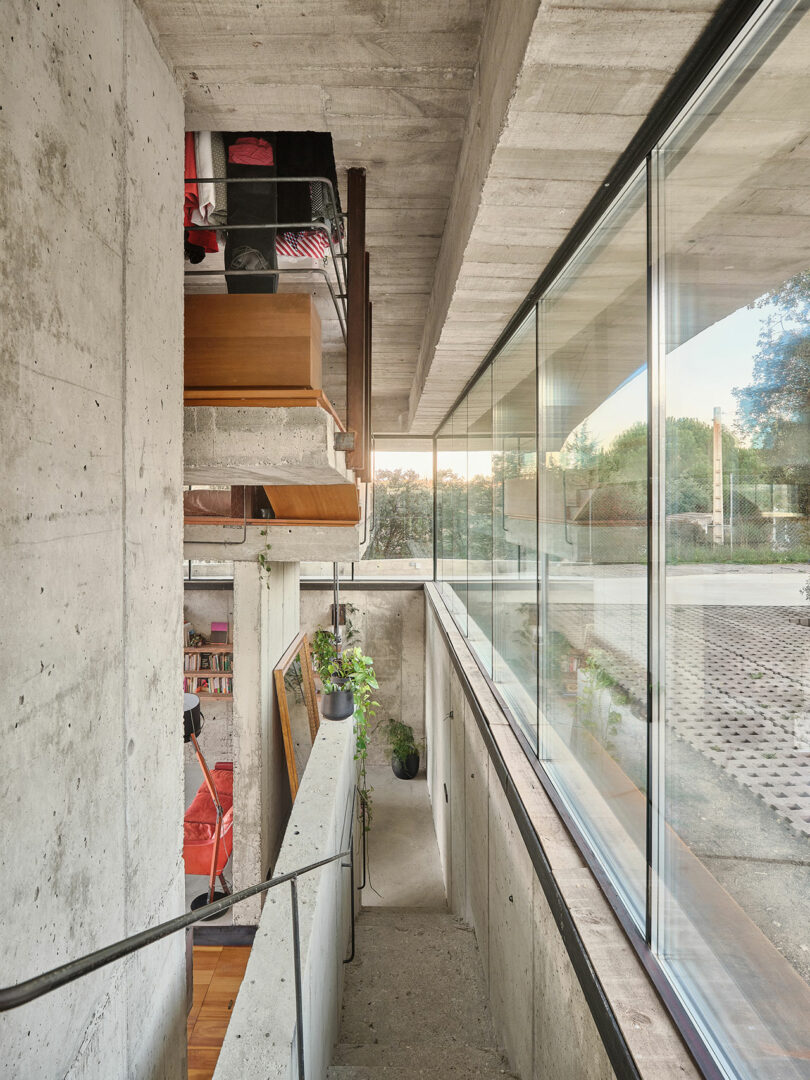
<point x="299" y="1000"/>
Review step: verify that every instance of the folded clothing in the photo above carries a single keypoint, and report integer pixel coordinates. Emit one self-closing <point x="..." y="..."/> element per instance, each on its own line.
<point x="251" y="150"/>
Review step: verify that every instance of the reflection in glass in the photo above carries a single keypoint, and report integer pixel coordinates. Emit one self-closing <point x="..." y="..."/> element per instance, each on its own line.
<point x="737" y="493"/>
<point x="479" y="520"/>
<point x="514" y="524"/>
<point x="456" y="482"/>
<point x="444" y="507"/>
<point x="593" y="538"/>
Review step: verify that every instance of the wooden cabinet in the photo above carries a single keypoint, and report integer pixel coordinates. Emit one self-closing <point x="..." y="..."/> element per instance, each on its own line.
<point x="256" y="341"/>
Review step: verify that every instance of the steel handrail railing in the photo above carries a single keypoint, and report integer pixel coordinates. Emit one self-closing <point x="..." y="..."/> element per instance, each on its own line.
<point x="11" y="997"/>
<point x="336" y="214"/>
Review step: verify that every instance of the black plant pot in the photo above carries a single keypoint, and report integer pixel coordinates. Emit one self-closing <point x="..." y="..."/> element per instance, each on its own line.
<point x="339" y="705"/>
<point x="407" y="769"/>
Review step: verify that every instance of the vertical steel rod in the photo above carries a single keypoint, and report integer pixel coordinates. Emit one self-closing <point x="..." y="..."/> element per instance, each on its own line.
<point x="299" y="1001"/>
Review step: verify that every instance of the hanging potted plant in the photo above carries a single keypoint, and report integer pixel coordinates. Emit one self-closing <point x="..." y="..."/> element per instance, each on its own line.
<point x="404" y="748"/>
<point x="347" y="681"/>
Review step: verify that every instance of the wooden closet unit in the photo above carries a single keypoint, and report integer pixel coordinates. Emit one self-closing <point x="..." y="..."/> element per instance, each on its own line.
<point x="252" y="342"/>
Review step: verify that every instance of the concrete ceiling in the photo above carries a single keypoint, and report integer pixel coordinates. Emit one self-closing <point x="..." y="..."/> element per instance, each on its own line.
<point x="485" y="127"/>
<point x="581" y="81"/>
<point x="391" y="80"/>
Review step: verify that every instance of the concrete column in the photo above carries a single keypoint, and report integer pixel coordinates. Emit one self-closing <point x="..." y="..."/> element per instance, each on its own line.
<point x="91" y="429"/>
<point x="266" y="618"/>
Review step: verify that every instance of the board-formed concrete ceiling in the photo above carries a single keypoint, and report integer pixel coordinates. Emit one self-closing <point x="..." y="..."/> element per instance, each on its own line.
<point x="391" y="80"/>
<point x="485" y="127"/>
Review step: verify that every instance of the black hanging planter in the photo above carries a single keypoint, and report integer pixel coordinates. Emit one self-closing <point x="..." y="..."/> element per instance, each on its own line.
<point x="339" y="705"/>
<point x="407" y="769"/>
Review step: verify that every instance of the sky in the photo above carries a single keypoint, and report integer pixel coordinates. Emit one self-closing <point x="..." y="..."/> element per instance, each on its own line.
<point x="701" y="374"/>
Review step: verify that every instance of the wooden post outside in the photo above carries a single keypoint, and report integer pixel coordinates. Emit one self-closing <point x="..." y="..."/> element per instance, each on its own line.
<point x="356" y="321"/>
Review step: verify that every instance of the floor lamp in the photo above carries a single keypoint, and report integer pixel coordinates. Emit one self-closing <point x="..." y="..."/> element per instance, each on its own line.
<point x="192" y="726"/>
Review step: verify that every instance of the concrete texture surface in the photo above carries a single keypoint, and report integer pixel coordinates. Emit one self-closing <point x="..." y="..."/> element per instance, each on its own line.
<point x="415" y="1002"/>
<point x="228" y="445"/>
<point x="538" y="1007"/>
<point x="266" y="619"/>
<point x="391" y="81"/>
<point x="390" y="628"/>
<point x="560" y="90"/>
<point x="90" y="424"/>
<point x="403" y="859"/>
<point x="288" y="543"/>
<point x="259" y="1041"/>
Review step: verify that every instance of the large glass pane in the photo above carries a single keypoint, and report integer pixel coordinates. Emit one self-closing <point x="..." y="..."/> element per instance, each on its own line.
<point x="593" y="539"/>
<point x="444" y="506"/>
<point x="457" y="484"/>
<point x="479" y="519"/>
<point x="735" y="891"/>
<point x="400" y="532"/>
<point x="514" y="524"/>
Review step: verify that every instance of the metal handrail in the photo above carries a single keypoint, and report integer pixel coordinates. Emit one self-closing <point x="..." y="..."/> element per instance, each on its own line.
<point x="327" y="183"/>
<point x="11" y="997"/>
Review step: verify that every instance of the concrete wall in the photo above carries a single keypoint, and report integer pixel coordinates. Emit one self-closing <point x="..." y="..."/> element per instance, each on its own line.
<point x="391" y="629"/>
<point x="259" y="1043"/>
<point x="91" y="429"/>
<point x="266" y="619"/>
<point x="201" y="607"/>
<point x="541" y="1017"/>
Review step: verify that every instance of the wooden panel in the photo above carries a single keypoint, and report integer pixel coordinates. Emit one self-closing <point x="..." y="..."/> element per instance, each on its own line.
<point x="261" y="341"/>
<point x="316" y="502"/>
<point x="218" y="974"/>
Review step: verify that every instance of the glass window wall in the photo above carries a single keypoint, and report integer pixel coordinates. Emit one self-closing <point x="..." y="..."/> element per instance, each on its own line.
<point x="514" y="525"/>
<point x="734" y="873"/>
<point x="593" y="538"/>
<point x="624" y="515"/>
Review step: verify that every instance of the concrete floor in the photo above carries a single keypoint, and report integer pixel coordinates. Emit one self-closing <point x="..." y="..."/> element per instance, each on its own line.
<point x="415" y="1001"/>
<point x="404" y="867"/>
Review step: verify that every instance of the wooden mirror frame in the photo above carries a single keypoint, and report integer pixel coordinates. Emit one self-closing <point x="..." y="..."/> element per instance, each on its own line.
<point x="299" y="646"/>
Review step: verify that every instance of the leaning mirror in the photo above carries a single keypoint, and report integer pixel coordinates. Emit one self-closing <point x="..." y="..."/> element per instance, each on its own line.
<point x="297" y="708"/>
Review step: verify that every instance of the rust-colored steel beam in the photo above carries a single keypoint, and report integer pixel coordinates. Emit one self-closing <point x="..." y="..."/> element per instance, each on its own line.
<point x="356" y="349"/>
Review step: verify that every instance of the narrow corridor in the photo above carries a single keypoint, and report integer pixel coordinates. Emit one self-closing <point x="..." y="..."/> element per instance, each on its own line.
<point x="414" y="1002"/>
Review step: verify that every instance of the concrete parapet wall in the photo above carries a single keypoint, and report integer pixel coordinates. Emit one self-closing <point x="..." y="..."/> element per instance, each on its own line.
<point x="229" y="445"/>
<point x="287" y="543"/>
<point x="260" y="1040"/>
<point x="542" y="1017"/>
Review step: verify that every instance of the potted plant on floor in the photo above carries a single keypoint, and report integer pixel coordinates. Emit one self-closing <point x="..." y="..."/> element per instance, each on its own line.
<point x="404" y="748"/>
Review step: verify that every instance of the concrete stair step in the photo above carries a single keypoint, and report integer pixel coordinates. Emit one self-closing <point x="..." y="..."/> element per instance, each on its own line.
<point x="452" y="1057"/>
<point x="416" y="976"/>
<point x="437" y="1070"/>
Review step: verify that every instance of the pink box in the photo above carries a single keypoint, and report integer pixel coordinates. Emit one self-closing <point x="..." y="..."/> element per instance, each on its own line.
<point x="219" y="633"/>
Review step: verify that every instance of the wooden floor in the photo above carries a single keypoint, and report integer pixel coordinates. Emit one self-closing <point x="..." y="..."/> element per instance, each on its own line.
<point x="218" y="974"/>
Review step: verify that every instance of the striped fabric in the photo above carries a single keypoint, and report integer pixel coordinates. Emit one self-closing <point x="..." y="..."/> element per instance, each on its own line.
<point x="302" y="244"/>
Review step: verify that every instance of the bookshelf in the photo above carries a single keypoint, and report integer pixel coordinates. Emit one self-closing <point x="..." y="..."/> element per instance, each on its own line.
<point x="211" y="667"/>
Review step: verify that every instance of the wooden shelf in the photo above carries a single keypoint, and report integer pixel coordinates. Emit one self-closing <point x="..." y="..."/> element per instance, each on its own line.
<point x="212" y="697"/>
<point x="207" y="648"/>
